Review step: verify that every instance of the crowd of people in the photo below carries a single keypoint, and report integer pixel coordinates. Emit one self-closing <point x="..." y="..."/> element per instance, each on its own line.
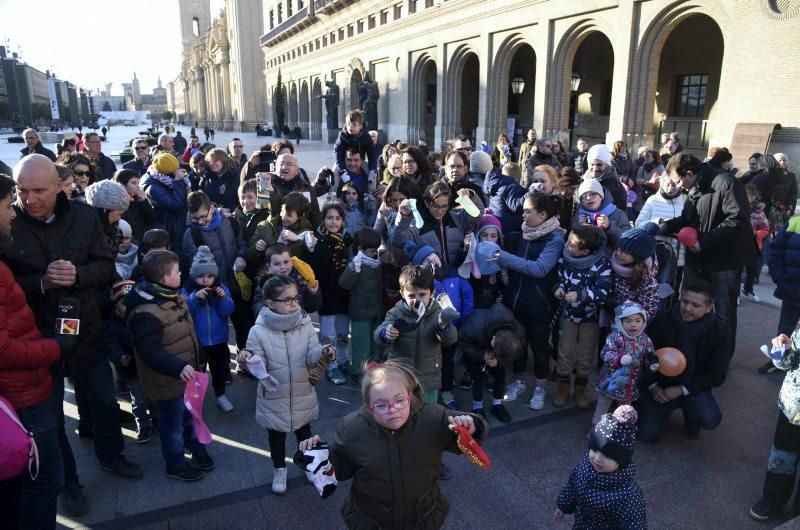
<point x="419" y="265"/>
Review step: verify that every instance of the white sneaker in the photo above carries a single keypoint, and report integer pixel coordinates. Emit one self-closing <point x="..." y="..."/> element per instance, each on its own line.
<point x="514" y="390"/>
<point x="753" y="297"/>
<point x="279" y="481"/>
<point x="224" y="403"/>
<point x="537" y="402"/>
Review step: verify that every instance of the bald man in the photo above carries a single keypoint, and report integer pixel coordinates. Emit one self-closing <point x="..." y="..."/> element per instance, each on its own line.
<point x="34" y="145"/>
<point x="290" y="180"/>
<point x="61" y="256"/>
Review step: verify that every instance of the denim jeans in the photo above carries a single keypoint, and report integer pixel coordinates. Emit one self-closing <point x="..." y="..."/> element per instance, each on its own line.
<point x="97" y="385"/>
<point x="782" y="466"/>
<point x="38" y="498"/>
<point x="699" y="409"/>
<point x="176" y="431"/>
<point x="726" y="284"/>
<point x="138" y="403"/>
<point x="790" y="315"/>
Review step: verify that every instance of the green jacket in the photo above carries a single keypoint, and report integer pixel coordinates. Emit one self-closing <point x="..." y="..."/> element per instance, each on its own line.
<point x="421" y="348"/>
<point x="396" y="473"/>
<point x="270" y="230"/>
<point x="366" y="291"/>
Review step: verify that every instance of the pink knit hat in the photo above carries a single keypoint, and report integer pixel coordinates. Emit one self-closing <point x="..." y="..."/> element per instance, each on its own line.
<point x="489" y="221"/>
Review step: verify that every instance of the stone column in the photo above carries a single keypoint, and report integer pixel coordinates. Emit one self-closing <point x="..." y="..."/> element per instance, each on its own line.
<point x="186" y="104"/>
<point x="226" y="90"/>
<point x="201" y="96"/>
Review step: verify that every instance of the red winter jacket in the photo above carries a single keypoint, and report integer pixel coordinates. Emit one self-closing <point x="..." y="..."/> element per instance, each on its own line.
<point x="25" y="356"/>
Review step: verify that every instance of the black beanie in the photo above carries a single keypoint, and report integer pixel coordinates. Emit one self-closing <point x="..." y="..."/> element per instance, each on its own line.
<point x="615" y="435"/>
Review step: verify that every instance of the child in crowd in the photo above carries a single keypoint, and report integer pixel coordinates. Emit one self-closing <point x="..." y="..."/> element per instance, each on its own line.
<point x="489" y="339"/>
<point x="583" y="284"/>
<point x="602" y="491"/>
<point x="626" y="352"/>
<point x="140" y="213"/>
<point x="154" y="239"/>
<point x="488" y="288"/>
<point x="167" y="352"/>
<point x="782" y="465"/>
<point x="597" y="208"/>
<point x="290" y="229"/>
<point x="761" y="229"/>
<point x="330" y="260"/>
<point x="353" y="135"/>
<point x="283" y="337"/>
<point x="359" y="210"/>
<point x="635" y="268"/>
<point x="121" y="353"/>
<point x="279" y="260"/>
<point x="455" y="297"/>
<point x="414" y="331"/>
<point x="210" y="304"/>
<point x="395" y="420"/>
<point x="127" y="258"/>
<point x="250" y="213"/>
<point x="362" y="280"/>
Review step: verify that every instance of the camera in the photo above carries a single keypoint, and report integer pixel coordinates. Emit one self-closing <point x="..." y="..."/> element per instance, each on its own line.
<point x="266" y="161"/>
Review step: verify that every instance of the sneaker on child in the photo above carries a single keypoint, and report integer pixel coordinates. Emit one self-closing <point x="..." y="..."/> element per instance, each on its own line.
<point x="537" y="401"/>
<point x="336" y="376"/>
<point x="224" y="403"/>
<point x="279" y="481"/>
<point x="514" y="390"/>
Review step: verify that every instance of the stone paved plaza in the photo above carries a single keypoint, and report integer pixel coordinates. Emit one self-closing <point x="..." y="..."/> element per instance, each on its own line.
<point x="708" y="483"/>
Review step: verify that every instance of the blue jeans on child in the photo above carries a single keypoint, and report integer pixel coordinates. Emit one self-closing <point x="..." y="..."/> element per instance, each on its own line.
<point x="176" y="431"/>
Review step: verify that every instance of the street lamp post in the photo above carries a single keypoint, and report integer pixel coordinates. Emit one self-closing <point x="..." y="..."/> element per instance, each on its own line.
<point x="575" y="83"/>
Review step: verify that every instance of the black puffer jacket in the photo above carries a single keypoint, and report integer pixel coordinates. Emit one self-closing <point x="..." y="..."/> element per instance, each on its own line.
<point x="76" y="235"/>
<point x="717" y="207"/>
<point x="222" y="189"/>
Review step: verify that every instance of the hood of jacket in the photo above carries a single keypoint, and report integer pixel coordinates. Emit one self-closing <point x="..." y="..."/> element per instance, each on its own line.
<point x="128" y="258"/>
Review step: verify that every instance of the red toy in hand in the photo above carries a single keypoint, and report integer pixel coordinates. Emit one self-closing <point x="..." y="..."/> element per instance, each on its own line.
<point x="470" y="447"/>
<point x="688" y="236"/>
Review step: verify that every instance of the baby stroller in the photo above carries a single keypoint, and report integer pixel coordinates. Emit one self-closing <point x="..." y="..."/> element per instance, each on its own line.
<point x="667" y="249"/>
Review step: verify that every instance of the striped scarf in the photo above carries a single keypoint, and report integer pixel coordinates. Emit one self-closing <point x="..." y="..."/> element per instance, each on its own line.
<point x="339" y="251"/>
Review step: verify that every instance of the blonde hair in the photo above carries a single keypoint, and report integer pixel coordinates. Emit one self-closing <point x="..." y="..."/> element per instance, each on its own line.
<point x="221" y="156"/>
<point x="511" y="169"/>
<point x="548" y="171"/>
<point x="377" y="374"/>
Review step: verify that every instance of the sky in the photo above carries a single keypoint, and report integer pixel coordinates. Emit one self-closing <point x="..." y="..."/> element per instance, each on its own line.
<point x="94" y="42"/>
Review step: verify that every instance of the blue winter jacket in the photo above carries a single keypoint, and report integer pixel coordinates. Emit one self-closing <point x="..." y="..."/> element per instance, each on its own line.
<point x="460" y="292"/>
<point x="210" y="316"/>
<point x="506" y="197"/>
<point x="603" y="500"/>
<point x="363" y="141"/>
<point x="169" y="207"/>
<point x="783" y="260"/>
<point x="529" y="292"/>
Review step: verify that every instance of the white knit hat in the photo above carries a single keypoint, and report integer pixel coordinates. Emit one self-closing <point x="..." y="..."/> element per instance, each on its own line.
<point x="591" y="185"/>
<point x="599" y="152"/>
<point x="125" y="228"/>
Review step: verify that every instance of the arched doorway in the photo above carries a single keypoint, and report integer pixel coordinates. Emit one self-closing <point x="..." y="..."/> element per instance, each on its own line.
<point x="513" y="83"/>
<point x="688" y="82"/>
<point x="422" y="108"/>
<point x="592" y="74"/>
<point x="355" y="81"/>
<point x="292" y="120"/>
<point x="303" y="121"/>
<point x="315" y="127"/>
<point x="468" y="96"/>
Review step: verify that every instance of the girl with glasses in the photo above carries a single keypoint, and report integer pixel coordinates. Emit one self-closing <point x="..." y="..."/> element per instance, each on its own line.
<point x="391" y="448"/>
<point x="284" y="340"/>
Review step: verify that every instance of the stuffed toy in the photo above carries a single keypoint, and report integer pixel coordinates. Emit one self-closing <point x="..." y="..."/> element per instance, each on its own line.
<point x="305" y="270"/>
<point x="470" y="447"/>
<point x="317" y="466"/>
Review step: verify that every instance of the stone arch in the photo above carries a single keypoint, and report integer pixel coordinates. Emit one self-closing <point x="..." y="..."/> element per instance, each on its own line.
<point x="304" y="109"/>
<point x="315" y="125"/>
<point x="418" y="111"/>
<point x="498" y="84"/>
<point x="453" y="77"/>
<point x="355" y="68"/>
<point x="559" y="90"/>
<point x="647" y="58"/>
<point x="293" y="104"/>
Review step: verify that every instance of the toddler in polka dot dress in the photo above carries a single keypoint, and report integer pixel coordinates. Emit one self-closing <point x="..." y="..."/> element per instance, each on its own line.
<point x="602" y="491"/>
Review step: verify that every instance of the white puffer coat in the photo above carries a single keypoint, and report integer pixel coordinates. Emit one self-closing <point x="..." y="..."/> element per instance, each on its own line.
<point x="288" y="345"/>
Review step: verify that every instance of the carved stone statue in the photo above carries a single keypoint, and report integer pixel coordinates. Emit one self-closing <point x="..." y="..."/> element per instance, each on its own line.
<point x="331" y="97"/>
<point x="370" y="104"/>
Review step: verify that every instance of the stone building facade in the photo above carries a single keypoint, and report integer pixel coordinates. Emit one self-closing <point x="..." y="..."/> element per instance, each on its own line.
<point x="482" y="67"/>
<point x="221" y="79"/>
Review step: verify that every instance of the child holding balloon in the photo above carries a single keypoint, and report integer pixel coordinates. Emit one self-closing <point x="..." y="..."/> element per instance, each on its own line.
<point x="626" y="351"/>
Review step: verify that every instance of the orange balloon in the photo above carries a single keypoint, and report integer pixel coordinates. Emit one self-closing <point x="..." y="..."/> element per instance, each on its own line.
<point x="671" y="361"/>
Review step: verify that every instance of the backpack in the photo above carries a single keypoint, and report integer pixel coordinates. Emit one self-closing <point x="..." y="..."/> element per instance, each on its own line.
<point x="17" y="446"/>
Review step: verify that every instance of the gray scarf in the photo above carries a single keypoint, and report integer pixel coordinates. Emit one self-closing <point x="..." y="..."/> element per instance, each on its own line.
<point x="582" y="262"/>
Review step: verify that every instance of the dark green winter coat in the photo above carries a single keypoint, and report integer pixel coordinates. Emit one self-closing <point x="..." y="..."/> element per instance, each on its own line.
<point x="366" y="291"/>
